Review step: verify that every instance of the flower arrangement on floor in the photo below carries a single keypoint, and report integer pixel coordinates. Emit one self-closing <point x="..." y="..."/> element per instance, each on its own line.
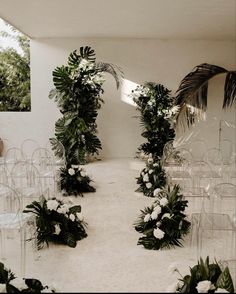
<point x="10" y="284"/>
<point x="205" y="277"/>
<point x="57" y="221"/>
<point x="151" y="177"/>
<point x="75" y="181"/>
<point x="163" y="224"/>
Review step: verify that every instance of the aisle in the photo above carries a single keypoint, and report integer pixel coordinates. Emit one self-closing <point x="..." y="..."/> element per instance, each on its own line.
<point x="109" y="260"/>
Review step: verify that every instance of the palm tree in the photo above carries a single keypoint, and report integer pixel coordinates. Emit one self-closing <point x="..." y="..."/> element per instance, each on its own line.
<point x="192" y="92"/>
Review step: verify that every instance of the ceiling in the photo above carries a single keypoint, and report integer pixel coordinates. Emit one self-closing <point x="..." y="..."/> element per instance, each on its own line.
<point x="163" y="19"/>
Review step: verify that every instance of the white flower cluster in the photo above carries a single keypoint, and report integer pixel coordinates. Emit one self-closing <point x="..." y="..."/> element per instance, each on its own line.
<point x="72" y="170"/>
<point x="53" y="204"/>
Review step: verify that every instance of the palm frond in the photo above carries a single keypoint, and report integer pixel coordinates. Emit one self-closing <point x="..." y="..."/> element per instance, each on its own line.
<point x="230" y="89"/>
<point x="112" y="69"/>
<point x="193" y="90"/>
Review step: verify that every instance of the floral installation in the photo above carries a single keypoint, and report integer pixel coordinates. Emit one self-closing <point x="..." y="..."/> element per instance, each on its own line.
<point x="57" y="221"/>
<point x="164" y="223"/>
<point x="10" y="284"/>
<point x="205" y="277"/>
<point x="156" y="107"/>
<point x="151" y="178"/>
<point x="75" y="181"/>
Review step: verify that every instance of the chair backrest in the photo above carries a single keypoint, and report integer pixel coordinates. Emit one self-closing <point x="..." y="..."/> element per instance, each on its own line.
<point x="4" y="174"/>
<point x="25" y="175"/>
<point x="214" y="158"/>
<point x="28" y="146"/>
<point x="224" y="198"/>
<point x="226" y="148"/>
<point x="13" y="156"/>
<point x="198" y="149"/>
<point x="10" y="202"/>
<point x="42" y="159"/>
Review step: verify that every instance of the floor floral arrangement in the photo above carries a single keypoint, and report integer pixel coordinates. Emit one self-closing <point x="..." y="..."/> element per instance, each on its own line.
<point x="57" y="222"/>
<point x="74" y="181"/>
<point x="152" y="177"/>
<point x="164" y="224"/>
<point x="205" y="277"/>
<point x="10" y="284"/>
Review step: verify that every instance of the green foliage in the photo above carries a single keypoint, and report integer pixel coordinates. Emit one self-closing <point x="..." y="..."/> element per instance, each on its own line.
<point x="154" y="104"/>
<point x="15" y="76"/>
<point x="192" y="93"/>
<point x="206" y="271"/>
<point x="75" y="184"/>
<point x="152" y="174"/>
<point x="77" y="92"/>
<point x="31" y="285"/>
<point x="49" y="220"/>
<point x="167" y="215"/>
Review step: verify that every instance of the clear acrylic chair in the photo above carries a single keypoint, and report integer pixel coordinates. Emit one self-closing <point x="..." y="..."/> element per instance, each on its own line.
<point x="214" y="158"/>
<point x="217" y="226"/>
<point x="43" y="160"/>
<point x="12" y="220"/>
<point x="26" y="180"/>
<point x="28" y="146"/>
<point x="198" y="149"/>
<point x="57" y="150"/>
<point x="13" y="156"/>
<point x="226" y="148"/>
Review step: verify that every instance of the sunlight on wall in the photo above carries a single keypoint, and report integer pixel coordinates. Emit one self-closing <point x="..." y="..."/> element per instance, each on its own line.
<point x="126" y="87"/>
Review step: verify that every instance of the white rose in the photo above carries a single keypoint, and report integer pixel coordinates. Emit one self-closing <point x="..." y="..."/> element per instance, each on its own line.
<point x="158" y="209"/>
<point x="158" y="224"/>
<point x="83" y="174"/>
<point x="57" y="229"/>
<point x="52" y="204"/>
<point x="79" y="216"/>
<point x="18" y="283"/>
<point x="150" y="155"/>
<point x="146" y="178"/>
<point x="154" y="214"/>
<point x="173" y="267"/>
<point x="172" y="288"/>
<point x="220" y="290"/>
<point x="204" y="286"/>
<point x="147" y="218"/>
<point x="75" y="166"/>
<point x="72" y="217"/>
<point x="63" y="209"/>
<point x="3" y="288"/>
<point x="158" y="233"/>
<point x="71" y="171"/>
<point x="163" y="201"/>
<point x="149" y="185"/>
<point x="155" y="164"/>
<point x="156" y="191"/>
<point x="167" y="215"/>
<point x="150" y="160"/>
<point x="142" y="174"/>
<point x="150" y="171"/>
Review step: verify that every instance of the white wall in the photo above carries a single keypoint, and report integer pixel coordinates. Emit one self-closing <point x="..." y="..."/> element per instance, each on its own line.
<point x="142" y="60"/>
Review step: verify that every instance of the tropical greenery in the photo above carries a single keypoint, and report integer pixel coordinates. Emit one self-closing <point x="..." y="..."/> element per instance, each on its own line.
<point x="205" y="277"/>
<point x="57" y="222"/>
<point x="192" y="94"/>
<point x="74" y="181"/>
<point x="153" y="176"/>
<point x="77" y="92"/>
<point x="15" y="74"/>
<point x="10" y="284"/>
<point x="155" y="105"/>
<point x="164" y="223"/>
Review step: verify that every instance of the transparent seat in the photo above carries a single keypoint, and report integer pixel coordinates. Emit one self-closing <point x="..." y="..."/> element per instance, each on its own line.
<point x="12" y="219"/>
<point x="13" y="156"/>
<point x="43" y="160"/>
<point x="26" y="180"/>
<point x="57" y="149"/>
<point x="28" y="146"/>
<point x="217" y="226"/>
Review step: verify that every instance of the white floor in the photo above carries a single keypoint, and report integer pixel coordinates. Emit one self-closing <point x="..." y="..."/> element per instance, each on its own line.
<point x="109" y="260"/>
